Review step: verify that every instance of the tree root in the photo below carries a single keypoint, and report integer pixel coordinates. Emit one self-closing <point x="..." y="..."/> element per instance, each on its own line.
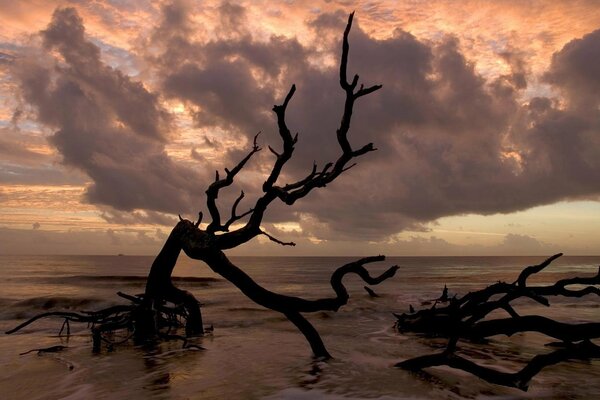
<point x="106" y="322"/>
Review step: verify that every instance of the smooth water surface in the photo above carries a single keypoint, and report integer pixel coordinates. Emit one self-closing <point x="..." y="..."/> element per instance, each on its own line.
<point x="256" y="353"/>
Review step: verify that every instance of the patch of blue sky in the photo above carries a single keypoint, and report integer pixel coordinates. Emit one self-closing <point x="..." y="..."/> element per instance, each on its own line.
<point x="117" y="57"/>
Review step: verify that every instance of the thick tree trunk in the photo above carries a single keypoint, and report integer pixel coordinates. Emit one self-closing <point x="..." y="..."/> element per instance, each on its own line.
<point x="160" y="288"/>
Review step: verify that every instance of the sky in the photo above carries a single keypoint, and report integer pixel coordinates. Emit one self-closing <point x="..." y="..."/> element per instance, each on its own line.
<point x="115" y="115"/>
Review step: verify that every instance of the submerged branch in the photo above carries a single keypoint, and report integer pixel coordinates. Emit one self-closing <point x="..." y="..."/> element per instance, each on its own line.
<point x="520" y="379"/>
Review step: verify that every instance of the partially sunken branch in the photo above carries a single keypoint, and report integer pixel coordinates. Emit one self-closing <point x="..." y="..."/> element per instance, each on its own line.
<point x="464" y="319"/>
<point x="196" y="244"/>
<point x="520" y="379"/>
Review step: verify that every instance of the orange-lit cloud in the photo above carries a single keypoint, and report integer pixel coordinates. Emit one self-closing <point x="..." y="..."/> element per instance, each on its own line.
<point x="126" y="109"/>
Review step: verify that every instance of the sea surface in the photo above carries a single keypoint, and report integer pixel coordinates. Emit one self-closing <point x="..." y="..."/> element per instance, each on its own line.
<point x="255" y="353"/>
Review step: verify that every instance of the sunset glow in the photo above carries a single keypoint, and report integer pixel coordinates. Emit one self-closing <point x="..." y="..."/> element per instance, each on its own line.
<point x="115" y="115"/>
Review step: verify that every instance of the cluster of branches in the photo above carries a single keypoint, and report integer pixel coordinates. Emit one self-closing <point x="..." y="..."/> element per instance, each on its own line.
<point x="465" y="318"/>
<point x="208" y="244"/>
<point x="117" y="324"/>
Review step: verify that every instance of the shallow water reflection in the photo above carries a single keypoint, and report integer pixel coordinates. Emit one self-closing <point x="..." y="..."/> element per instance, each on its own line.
<point x="256" y="353"/>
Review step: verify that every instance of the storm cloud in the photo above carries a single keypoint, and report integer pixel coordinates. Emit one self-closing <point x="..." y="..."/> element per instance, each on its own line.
<point x="107" y="124"/>
<point x="450" y="140"/>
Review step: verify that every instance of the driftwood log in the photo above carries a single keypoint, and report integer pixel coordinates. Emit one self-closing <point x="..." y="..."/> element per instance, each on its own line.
<point x="149" y="313"/>
<point x="465" y="319"/>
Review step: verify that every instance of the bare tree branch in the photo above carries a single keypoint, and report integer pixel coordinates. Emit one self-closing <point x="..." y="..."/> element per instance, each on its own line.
<point x="534" y="269"/>
<point x="463" y="319"/>
<point x="292" y="192"/>
<point x="274" y="239"/>
<point x="212" y="193"/>
<point x="520" y="379"/>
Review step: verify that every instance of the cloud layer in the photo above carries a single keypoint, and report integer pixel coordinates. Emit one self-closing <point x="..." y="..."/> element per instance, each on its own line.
<point x="105" y="123"/>
<point x="450" y="140"/>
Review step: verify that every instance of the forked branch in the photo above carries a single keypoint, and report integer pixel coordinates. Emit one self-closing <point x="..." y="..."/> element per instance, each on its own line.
<point x="212" y="193"/>
<point x="292" y="192"/>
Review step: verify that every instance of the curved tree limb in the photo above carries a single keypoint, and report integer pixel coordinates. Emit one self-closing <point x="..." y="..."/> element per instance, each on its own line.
<point x="520" y="379"/>
<point x="198" y="245"/>
<point x="534" y="269"/>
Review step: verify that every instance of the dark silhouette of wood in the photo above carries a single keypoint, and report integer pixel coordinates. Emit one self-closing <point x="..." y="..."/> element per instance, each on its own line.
<point x="464" y="319"/>
<point x="583" y="350"/>
<point x="132" y="318"/>
<point x="160" y="289"/>
<point x="444" y="297"/>
<point x="51" y="349"/>
<point x="370" y="291"/>
<point x="149" y="313"/>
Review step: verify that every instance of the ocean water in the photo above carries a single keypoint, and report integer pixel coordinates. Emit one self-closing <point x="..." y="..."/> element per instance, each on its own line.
<point x="256" y="353"/>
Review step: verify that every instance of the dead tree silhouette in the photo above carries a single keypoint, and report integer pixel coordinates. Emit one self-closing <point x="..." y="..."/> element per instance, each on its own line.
<point x="149" y="312"/>
<point x="465" y="319"/>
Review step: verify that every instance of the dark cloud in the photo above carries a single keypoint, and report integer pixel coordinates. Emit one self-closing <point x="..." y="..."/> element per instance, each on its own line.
<point x="574" y="70"/>
<point x="129" y="100"/>
<point x="107" y="125"/>
<point x="450" y="142"/>
<point x="226" y="92"/>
